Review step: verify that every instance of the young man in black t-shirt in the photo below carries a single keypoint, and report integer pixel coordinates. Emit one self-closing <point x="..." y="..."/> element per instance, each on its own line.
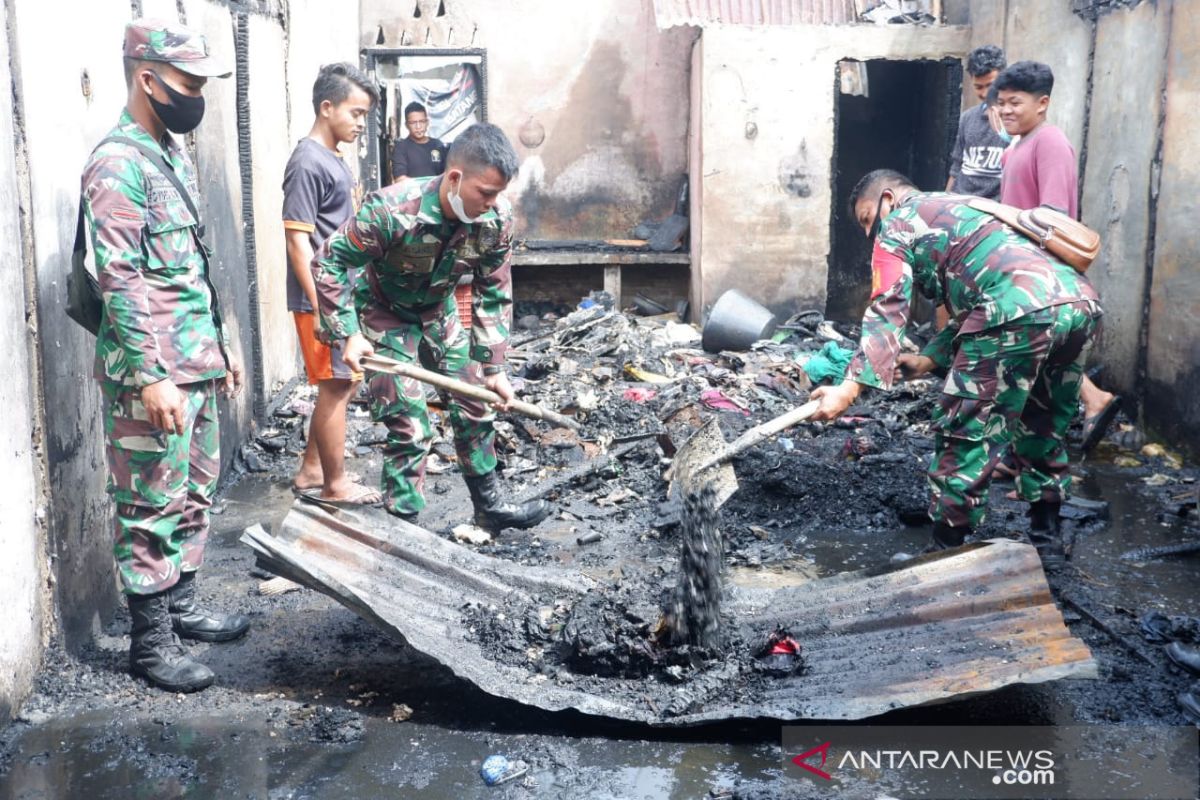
<point x="318" y="196"/>
<point x="419" y="155"/>
<point x="981" y="140"/>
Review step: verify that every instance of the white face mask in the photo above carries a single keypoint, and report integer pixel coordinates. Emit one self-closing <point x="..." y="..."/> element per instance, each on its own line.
<point x="456" y="204"/>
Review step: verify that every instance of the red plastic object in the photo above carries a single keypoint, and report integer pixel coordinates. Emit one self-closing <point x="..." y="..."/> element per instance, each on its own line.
<point x="639" y="395"/>
<point x="785" y="646"/>
<point x="462" y="297"/>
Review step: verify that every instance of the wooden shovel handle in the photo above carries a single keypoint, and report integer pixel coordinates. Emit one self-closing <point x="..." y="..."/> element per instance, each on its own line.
<point x="463" y="389"/>
<point x="761" y="432"/>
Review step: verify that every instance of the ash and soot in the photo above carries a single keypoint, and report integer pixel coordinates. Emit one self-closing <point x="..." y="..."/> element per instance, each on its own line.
<point x="694" y="616"/>
<point x="621" y="632"/>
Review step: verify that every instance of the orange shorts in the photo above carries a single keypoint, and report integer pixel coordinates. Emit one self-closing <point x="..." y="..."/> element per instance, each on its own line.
<point x="322" y="362"/>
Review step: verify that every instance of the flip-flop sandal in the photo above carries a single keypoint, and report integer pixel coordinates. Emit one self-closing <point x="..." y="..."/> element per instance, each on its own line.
<point x="353" y="502"/>
<point x="1096" y="426"/>
<point x="353" y="477"/>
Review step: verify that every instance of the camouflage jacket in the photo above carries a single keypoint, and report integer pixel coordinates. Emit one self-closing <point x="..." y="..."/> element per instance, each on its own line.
<point x="414" y="257"/>
<point x="984" y="272"/>
<point x="157" y="319"/>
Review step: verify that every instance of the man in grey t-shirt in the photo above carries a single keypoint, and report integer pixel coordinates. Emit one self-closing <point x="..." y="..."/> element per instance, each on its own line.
<point x="975" y="160"/>
<point x="317" y="199"/>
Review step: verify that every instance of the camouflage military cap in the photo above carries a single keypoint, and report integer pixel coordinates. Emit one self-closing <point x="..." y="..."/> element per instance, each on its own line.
<point x="182" y="48"/>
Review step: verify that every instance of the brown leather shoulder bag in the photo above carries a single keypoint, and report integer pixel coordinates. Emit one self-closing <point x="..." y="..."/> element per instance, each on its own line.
<point x="1068" y="240"/>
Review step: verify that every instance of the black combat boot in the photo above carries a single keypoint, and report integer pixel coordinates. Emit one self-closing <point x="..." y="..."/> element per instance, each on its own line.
<point x="1186" y="656"/>
<point x="1189" y="702"/>
<point x="493" y="514"/>
<point x="943" y="538"/>
<point x="192" y="622"/>
<point x="1045" y="533"/>
<point x="154" y="650"/>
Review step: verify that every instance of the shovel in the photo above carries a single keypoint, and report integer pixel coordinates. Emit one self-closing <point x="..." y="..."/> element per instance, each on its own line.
<point x="463" y="389"/>
<point x="705" y="457"/>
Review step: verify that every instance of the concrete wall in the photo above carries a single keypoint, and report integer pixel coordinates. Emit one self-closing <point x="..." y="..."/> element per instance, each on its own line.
<point x="24" y="595"/>
<point x="58" y="530"/>
<point x="62" y="122"/>
<point x="1046" y="31"/>
<point x="1172" y="354"/>
<point x="1134" y="128"/>
<point x="608" y="91"/>
<point x="271" y="145"/>
<point x="1121" y="148"/>
<point x="766" y="143"/>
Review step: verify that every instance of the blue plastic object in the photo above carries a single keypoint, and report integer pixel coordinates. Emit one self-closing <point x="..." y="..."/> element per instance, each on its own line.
<point x="498" y="769"/>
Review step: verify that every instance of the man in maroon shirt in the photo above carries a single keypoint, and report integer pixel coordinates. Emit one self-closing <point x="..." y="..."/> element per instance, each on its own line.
<point x="1040" y="170"/>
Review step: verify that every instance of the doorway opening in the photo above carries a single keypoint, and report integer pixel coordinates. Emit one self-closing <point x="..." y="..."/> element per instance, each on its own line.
<point x="451" y="83"/>
<point x="900" y="115"/>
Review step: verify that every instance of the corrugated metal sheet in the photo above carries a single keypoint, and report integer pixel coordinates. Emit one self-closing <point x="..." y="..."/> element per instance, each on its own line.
<point x="951" y="625"/>
<point x="669" y="13"/>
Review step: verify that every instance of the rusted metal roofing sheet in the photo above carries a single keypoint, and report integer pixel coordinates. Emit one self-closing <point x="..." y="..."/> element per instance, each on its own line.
<point x="669" y="13"/>
<point x="947" y="626"/>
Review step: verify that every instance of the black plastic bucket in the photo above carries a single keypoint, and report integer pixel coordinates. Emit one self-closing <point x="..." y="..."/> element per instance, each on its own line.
<point x="736" y="322"/>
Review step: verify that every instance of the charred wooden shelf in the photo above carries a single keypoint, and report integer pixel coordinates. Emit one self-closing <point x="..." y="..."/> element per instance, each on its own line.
<point x="605" y="258"/>
<point x="611" y="258"/>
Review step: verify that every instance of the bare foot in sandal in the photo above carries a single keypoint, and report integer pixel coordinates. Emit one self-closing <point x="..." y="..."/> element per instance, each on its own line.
<point x="349" y="492"/>
<point x="305" y="482"/>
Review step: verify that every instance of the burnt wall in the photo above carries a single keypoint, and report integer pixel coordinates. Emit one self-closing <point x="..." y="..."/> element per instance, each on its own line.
<point x="766" y="166"/>
<point x="594" y="97"/>
<point x="58" y="540"/>
<point x="1169" y="371"/>
<point x="1126" y="86"/>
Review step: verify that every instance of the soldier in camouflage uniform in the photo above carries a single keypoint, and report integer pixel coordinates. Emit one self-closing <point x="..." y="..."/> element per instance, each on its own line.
<point x="1022" y="323"/>
<point x="411" y="242"/>
<point x="161" y="354"/>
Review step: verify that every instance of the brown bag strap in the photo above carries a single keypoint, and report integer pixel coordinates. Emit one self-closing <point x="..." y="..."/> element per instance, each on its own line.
<point x="1010" y="215"/>
<point x="1068" y="240"/>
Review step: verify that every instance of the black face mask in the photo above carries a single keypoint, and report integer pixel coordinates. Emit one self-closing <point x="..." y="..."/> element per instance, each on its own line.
<point x="182" y="114"/>
<point x="875" y="225"/>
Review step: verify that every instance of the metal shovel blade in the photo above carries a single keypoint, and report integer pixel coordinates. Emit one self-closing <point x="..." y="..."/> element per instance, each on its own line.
<point x="693" y="465"/>
<point x="705" y="457"/>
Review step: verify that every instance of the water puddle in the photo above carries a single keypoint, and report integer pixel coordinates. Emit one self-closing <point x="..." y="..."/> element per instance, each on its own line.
<point x="1164" y="584"/>
<point x="97" y="757"/>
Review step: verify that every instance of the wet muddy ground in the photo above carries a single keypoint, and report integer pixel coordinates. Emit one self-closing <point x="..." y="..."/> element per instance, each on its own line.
<point x="315" y="702"/>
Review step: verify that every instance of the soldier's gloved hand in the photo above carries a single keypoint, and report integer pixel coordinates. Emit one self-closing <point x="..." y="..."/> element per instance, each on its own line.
<point x="355" y="350"/>
<point x="234" y="376"/>
<point x="909" y="366"/>
<point x="164" y="406"/>
<point x="499" y="384"/>
<point x="834" y="399"/>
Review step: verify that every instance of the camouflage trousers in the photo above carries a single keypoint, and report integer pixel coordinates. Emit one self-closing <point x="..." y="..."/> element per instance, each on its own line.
<point x="1019" y="384"/>
<point x="162" y="484"/>
<point x="435" y="339"/>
